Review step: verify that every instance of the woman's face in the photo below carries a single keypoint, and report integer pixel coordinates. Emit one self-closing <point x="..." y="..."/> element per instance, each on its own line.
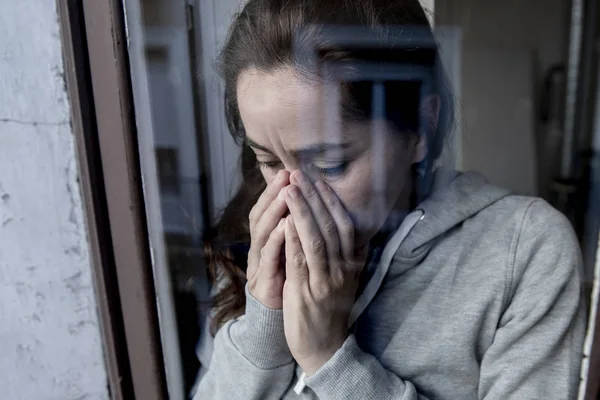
<point x="295" y="125"/>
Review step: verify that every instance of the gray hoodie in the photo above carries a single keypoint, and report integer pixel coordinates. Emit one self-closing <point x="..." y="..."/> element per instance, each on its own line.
<point x="477" y="295"/>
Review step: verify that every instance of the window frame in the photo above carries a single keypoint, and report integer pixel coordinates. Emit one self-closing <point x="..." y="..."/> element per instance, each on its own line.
<point x="97" y="75"/>
<point x="97" y="78"/>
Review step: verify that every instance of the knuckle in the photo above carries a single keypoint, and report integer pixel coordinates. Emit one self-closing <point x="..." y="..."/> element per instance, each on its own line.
<point x="295" y="240"/>
<point x="311" y="194"/>
<point x="252" y="253"/>
<point x="331" y="201"/>
<point x="264" y="252"/>
<point x="347" y="227"/>
<point x="323" y="289"/>
<point x="252" y="216"/>
<point x="298" y="260"/>
<point x="329" y="228"/>
<point x="304" y="211"/>
<point x="317" y="244"/>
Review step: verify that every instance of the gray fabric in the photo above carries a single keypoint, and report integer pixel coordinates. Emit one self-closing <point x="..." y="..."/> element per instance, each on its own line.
<point x="482" y="301"/>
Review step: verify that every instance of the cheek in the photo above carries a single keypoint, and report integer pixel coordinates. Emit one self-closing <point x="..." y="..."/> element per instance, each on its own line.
<point x="356" y="196"/>
<point x="371" y="177"/>
<point x="372" y="186"/>
<point x="355" y="191"/>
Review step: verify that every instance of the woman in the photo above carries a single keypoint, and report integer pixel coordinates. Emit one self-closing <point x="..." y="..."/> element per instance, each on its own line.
<point x="370" y="273"/>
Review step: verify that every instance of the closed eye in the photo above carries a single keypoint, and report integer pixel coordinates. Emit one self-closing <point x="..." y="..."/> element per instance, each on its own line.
<point x="269" y="164"/>
<point x="325" y="172"/>
<point x="331" y="172"/>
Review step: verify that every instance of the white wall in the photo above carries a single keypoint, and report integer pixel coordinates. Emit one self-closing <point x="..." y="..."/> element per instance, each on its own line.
<point x="540" y="25"/>
<point x="503" y="37"/>
<point x="50" y="343"/>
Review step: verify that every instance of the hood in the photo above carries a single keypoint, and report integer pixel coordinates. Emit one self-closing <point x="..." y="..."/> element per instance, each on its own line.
<point x="456" y="197"/>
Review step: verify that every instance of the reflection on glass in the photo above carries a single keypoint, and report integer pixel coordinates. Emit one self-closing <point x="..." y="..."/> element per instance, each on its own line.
<point x="383" y="238"/>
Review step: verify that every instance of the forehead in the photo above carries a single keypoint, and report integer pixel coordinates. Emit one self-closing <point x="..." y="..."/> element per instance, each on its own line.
<point x="283" y="106"/>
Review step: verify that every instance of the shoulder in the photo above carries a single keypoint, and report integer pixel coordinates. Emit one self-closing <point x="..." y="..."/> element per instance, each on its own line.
<point x="531" y="226"/>
<point x="534" y="221"/>
<point x="544" y="250"/>
<point x="526" y="218"/>
<point x="535" y="242"/>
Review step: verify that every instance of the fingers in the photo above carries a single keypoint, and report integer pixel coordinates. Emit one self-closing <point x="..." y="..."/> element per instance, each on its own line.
<point x="281" y="180"/>
<point x="263" y="228"/>
<point x="269" y="220"/>
<point x="321" y="215"/>
<point x="271" y="252"/>
<point x="312" y="243"/>
<point x="265" y="215"/>
<point x="345" y="227"/>
<point x="296" y="269"/>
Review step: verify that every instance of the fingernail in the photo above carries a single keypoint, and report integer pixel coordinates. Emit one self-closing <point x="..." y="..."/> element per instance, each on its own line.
<point x="281" y="193"/>
<point x="290" y="220"/>
<point x="293" y="192"/>
<point x="280" y="224"/>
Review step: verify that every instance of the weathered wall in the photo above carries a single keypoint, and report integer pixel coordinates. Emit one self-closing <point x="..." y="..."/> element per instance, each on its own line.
<point x="50" y="344"/>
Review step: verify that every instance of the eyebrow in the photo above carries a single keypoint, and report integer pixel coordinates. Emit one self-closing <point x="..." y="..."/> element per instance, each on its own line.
<point x="319" y="148"/>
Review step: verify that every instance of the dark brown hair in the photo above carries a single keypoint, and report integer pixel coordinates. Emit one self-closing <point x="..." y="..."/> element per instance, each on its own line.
<point x="271" y="34"/>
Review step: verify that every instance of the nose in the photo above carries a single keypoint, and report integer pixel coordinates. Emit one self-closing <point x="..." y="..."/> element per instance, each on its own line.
<point x="291" y="165"/>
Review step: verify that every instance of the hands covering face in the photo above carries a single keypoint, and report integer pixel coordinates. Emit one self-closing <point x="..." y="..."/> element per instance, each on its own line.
<point x="322" y="268"/>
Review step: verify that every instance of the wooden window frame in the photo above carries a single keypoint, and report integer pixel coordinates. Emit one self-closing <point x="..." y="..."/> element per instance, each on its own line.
<point x="98" y="82"/>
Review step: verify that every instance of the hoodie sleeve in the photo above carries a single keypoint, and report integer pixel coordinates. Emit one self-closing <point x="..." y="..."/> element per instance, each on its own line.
<point x="250" y="359"/>
<point x="537" y="349"/>
<point x="354" y="374"/>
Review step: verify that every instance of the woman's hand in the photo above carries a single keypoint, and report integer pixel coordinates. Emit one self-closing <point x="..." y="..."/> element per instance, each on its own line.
<point x="265" y="277"/>
<point x="322" y="272"/>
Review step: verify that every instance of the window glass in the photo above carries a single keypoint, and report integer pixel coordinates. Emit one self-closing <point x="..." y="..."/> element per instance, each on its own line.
<point x="371" y="199"/>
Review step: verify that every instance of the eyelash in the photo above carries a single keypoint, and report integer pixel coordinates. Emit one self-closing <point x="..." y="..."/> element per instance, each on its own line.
<point x="326" y="172"/>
